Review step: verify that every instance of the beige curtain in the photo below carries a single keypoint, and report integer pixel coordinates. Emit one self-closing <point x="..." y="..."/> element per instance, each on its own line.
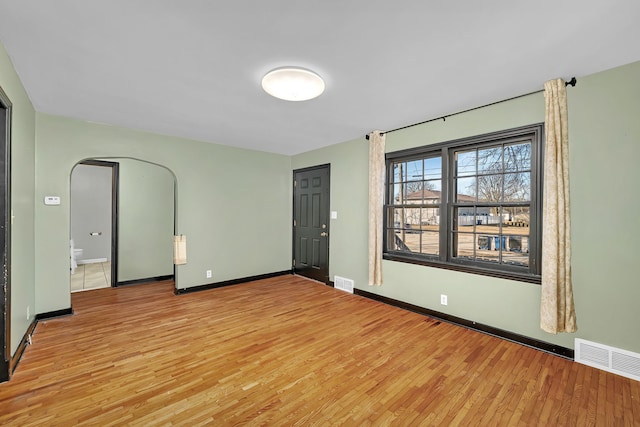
<point x="557" y="312"/>
<point x="180" y="249"/>
<point x="376" y="205"/>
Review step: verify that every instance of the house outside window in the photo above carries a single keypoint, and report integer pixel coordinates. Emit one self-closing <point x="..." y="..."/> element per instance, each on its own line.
<point x="472" y="204"/>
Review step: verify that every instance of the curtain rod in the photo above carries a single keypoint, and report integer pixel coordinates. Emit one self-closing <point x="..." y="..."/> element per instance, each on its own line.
<point x="571" y="82"/>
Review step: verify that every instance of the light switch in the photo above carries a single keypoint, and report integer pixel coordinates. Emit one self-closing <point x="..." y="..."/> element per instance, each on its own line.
<point x="334" y="214"/>
<point x="51" y="200"/>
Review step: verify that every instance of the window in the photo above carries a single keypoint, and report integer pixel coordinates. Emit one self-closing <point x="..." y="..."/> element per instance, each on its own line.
<point x="472" y="204"/>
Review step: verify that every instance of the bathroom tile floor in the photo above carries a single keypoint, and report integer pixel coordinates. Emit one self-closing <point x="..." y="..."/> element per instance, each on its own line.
<point x="91" y="276"/>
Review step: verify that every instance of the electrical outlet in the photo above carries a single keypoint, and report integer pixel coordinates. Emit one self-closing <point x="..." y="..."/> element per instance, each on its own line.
<point x="28" y="312"/>
<point x="443" y="299"/>
<point x="209" y="274"/>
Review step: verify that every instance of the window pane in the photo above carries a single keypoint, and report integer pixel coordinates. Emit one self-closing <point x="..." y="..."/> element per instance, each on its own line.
<point x="395" y="217"/>
<point x="430" y="243"/>
<point x="402" y="233"/>
<point x="516" y="220"/>
<point x="517" y="187"/>
<point x="488" y="247"/>
<point x="483" y="243"/>
<point x="414" y="170"/>
<point x="398" y="170"/>
<point x="430" y="218"/>
<point x="399" y="195"/>
<point x="490" y="160"/>
<point x="465" y="163"/>
<point x="414" y="192"/>
<point x="410" y="239"/>
<point x="464" y="246"/>
<point x="420" y="192"/>
<point x="411" y="218"/>
<point x="516" y="230"/>
<point x="401" y="172"/>
<point x="402" y="218"/>
<point x="432" y="192"/>
<point x="516" y="251"/>
<point x="482" y="216"/>
<point x="464" y="219"/>
<point x="434" y="185"/>
<point x="395" y="242"/>
<point x="433" y="168"/>
<point x="490" y="188"/>
<point x="465" y="189"/>
<point x="517" y="157"/>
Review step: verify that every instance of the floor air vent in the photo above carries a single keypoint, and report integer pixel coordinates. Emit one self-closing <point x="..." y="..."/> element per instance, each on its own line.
<point x="343" y="284"/>
<point x="607" y="358"/>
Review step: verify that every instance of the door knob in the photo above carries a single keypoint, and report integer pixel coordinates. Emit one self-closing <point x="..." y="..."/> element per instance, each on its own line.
<point x="323" y="234"/>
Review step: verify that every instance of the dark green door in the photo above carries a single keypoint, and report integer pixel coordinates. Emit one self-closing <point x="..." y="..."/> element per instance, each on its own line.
<point x="311" y="222"/>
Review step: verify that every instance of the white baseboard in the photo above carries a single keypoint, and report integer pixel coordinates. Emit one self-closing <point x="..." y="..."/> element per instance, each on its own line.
<point x="91" y="261"/>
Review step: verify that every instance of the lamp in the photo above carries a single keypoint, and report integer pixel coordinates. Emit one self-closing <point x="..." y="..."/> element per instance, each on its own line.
<point x="293" y="84"/>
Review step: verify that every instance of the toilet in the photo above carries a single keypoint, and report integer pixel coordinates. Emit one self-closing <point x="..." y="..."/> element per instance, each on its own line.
<point x="76" y="253"/>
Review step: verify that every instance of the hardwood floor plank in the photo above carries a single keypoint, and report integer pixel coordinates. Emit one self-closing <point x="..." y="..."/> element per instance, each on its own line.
<point x="288" y="351"/>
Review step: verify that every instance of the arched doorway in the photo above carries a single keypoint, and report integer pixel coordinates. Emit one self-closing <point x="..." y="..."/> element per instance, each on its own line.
<point x="142" y="214"/>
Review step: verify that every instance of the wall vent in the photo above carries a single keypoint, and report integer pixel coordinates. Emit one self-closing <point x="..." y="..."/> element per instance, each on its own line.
<point x="343" y="284"/>
<point x="608" y="358"/>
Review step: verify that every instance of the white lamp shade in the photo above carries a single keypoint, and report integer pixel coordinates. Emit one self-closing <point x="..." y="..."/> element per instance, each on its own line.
<point x="293" y="84"/>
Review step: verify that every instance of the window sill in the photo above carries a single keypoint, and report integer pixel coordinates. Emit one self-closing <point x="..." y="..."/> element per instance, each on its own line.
<point x="520" y="277"/>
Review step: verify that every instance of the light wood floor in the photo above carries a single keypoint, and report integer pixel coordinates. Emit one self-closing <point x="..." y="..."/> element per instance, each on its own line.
<point x="287" y="351"/>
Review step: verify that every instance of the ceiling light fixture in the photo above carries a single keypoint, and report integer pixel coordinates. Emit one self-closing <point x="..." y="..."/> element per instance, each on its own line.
<point x="293" y="84"/>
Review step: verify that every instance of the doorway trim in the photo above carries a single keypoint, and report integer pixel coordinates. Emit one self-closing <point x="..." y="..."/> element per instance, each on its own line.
<point x="5" y="247"/>
<point x="115" y="196"/>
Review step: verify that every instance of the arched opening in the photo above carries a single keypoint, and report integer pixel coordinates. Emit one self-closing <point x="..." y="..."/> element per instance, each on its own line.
<point x="141" y="220"/>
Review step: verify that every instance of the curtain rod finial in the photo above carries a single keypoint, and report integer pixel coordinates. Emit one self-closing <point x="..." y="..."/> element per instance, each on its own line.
<point x="572" y="82"/>
<point x="368" y="136"/>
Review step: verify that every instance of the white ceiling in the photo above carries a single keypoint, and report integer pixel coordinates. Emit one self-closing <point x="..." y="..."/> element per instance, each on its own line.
<point x="192" y="68"/>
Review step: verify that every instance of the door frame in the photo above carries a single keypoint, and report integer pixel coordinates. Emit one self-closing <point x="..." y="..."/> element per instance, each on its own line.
<point x="115" y="196"/>
<point x="5" y="248"/>
<point x="326" y="166"/>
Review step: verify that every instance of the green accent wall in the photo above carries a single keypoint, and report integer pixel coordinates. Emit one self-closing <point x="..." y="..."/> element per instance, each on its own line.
<point x="604" y="137"/>
<point x="145" y="218"/>
<point x="22" y="201"/>
<point x="232" y="204"/>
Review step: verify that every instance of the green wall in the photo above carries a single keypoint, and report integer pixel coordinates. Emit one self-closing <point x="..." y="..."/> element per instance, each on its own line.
<point x="232" y="204"/>
<point x="604" y="115"/>
<point x="145" y="220"/>
<point x="22" y="201"/>
<point x="604" y="137"/>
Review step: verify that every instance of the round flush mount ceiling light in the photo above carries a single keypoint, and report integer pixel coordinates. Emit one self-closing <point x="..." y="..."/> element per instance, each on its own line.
<point x="293" y="84"/>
